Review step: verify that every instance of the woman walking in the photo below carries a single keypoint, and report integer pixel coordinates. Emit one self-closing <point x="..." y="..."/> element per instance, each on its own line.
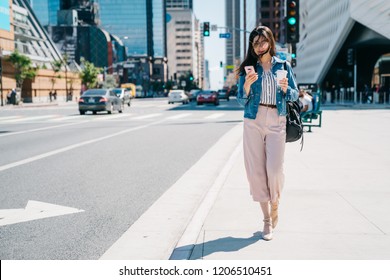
<point x="265" y="122"/>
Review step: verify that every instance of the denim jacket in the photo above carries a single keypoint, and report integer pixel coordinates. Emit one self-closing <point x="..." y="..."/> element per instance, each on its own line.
<point x="251" y="102"/>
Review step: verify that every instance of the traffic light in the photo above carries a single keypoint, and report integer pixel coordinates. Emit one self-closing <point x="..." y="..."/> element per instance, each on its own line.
<point x="292" y="22"/>
<point x="206" y="29"/>
<point x="293" y="55"/>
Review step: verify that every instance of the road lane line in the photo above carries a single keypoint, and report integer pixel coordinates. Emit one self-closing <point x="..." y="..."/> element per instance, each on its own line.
<point x="74" y="146"/>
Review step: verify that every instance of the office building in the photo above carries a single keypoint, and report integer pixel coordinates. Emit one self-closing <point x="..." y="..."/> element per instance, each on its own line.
<point x="179" y="4"/>
<point x="141" y="25"/>
<point x="20" y="30"/>
<point x="185" y="53"/>
<point x="343" y="51"/>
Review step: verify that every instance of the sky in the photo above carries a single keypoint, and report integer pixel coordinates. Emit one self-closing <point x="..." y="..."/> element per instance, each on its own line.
<point x="213" y="11"/>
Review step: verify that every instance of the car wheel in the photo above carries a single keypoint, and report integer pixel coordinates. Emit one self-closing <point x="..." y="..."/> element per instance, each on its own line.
<point x="120" y="109"/>
<point x="198" y="103"/>
<point x="94" y="112"/>
<point x="129" y="104"/>
<point x="82" y="112"/>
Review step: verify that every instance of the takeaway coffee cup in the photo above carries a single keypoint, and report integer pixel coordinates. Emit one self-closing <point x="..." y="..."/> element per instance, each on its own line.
<point x="280" y="74"/>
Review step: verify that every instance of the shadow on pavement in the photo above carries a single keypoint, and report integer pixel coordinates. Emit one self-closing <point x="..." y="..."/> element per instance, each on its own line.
<point x="225" y="244"/>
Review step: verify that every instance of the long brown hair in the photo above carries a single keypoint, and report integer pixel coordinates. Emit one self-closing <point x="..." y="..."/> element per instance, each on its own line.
<point x="251" y="57"/>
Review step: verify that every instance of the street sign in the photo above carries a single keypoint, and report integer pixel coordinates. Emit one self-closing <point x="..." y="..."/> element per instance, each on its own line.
<point x="225" y="35"/>
<point x="229" y="66"/>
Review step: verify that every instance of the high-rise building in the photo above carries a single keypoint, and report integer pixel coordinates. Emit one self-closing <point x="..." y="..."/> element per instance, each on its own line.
<point x="233" y="47"/>
<point x="141" y="24"/>
<point x="179" y="4"/>
<point x="20" y="30"/>
<point x="271" y="13"/>
<point x="186" y="48"/>
<point x="46" y="10"/>
<point x="342" y="52"/>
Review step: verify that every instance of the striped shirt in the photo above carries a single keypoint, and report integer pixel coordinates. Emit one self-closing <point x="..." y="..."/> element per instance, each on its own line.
<point x="268" y="95"/>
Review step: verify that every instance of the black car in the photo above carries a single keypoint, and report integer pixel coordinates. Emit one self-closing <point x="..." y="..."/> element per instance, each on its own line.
<point x="99" y="100"/>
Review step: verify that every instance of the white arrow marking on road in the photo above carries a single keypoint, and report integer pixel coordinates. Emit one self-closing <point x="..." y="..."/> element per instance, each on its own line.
<point x="34" y="210"/>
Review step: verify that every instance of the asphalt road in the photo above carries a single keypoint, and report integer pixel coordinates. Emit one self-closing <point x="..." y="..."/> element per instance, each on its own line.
<point x="113" y="167"/>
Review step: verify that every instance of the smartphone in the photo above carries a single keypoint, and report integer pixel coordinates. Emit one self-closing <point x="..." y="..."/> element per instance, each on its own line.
<point x="249" y="69"/>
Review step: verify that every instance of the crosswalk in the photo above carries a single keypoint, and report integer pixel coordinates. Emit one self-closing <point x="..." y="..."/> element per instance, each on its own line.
<point x="168" y="116"/>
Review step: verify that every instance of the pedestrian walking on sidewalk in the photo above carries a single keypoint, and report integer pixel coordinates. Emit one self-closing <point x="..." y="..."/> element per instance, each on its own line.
<point x="264" y="100"/>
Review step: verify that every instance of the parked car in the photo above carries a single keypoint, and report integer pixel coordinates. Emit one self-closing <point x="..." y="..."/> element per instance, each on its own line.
<point x="193" y="93"/>
<point x="177" y="95"/>
<point x="207" y="96"/>
<point x="99" y="100"/>
<point x="223" y="94"/>
<point x="123" y="94"/>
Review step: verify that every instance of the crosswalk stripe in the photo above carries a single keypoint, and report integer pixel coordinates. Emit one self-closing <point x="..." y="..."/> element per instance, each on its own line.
<point x="9" y="118"/>
<point x="110" y="117"/>
<point x="180" y="116"/>
<point x="215" y="116"/>
<point x="146" y="116"/>
<point x="67" y="118"/>
<point x="27" y="119"/>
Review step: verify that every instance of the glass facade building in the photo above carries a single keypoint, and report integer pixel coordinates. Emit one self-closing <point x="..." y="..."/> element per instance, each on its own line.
<point x="46" y="11"/>
<point x="179" y="4"/>
<point x="139" y="23"/>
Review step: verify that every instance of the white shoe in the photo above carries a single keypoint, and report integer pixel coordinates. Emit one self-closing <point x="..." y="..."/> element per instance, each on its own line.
<point x="267" y="230"/>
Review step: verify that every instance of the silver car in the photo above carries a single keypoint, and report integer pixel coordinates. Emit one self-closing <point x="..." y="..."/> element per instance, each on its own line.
<point x="96" y="100"/>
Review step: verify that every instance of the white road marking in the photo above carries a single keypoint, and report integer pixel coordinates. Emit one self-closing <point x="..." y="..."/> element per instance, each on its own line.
<point x="39" y="129"/>
<point x="28" y="119"/>
<point x="9" y="118"/>
<point x="75" y="117"/>
<point x="180" y="116"/>
<point x="74" y="146"/>
<point x="111" y="117"/>
<point x="34" y="210"/>
<point x="215" y="116"/>
<point x="146" y="116"/>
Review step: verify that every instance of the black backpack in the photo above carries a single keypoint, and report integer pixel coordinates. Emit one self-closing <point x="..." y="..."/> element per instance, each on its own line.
<point x="294" y="128"/>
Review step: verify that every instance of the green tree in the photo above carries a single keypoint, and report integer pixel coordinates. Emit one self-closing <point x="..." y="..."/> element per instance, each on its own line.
<point x="23" y="67"/>
<point x="56" y="65"/>
<point x="89" y="75"/>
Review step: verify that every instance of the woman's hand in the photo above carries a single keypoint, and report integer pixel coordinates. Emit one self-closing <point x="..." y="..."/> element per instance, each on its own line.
<point x="283" y="83"/>
<point x="249" y="80"/>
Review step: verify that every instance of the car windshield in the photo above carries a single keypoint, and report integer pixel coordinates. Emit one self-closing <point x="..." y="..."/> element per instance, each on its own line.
<point x="176" y="92"/>
<point x="94" y="92"/>
<point x="117" y="90"/>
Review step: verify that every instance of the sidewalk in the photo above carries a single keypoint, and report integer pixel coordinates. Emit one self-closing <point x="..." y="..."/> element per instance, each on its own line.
<point x="335" y="203"/>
